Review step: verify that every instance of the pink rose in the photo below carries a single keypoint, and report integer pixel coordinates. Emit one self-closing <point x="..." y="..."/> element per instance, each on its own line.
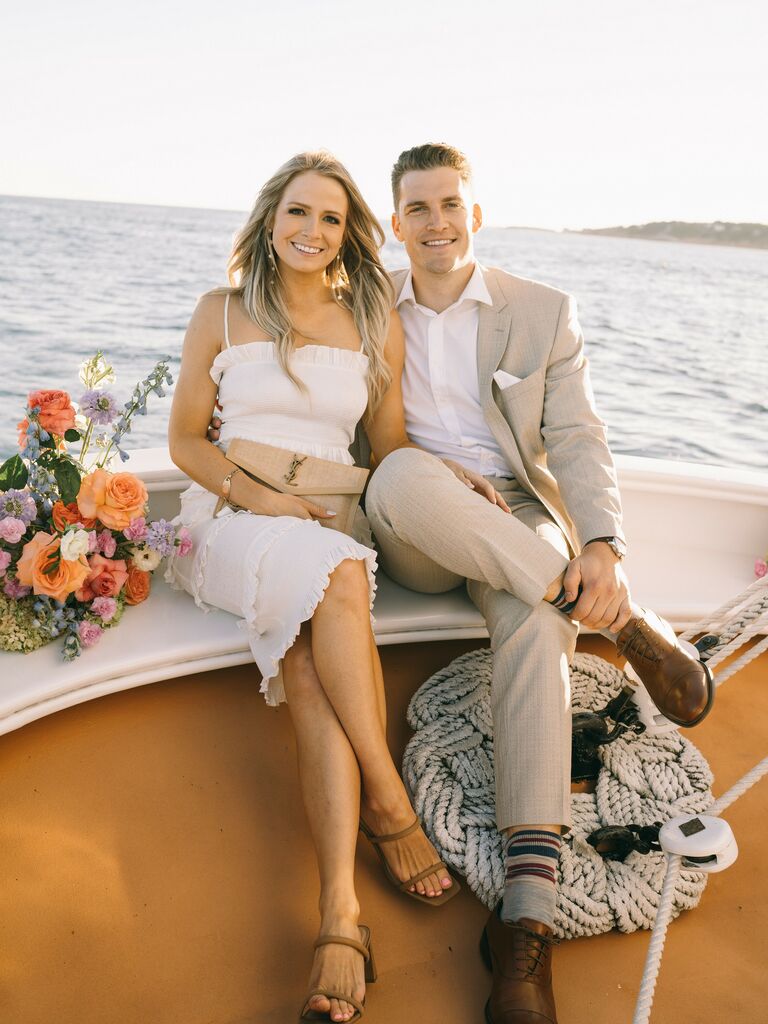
<point x="107" y="543"/>
<point x="89" y="632"/>
<point x="5" y="561"/>
<point x="761" y="568"/>
<point x="105" y="579"/>
<point x="104" y="607"/>
<point x="93" y="542"/>
<point x="185" y="541"/>
<point x="136" y="530"/>
<point x="12" y="529"/>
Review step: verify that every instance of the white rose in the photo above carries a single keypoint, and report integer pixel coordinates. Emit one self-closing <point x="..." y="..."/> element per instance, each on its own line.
<point x="74" y="543"/>
<point x="146" y="559"/>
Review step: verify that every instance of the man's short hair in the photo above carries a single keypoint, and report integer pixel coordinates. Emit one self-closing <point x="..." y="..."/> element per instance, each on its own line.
<point x="424" y="158"/>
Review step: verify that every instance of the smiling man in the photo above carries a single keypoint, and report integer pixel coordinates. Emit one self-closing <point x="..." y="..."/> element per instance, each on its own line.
<point x="513" y="490"/>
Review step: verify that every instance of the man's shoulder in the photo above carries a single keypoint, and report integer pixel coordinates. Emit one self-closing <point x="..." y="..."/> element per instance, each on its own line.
<point x="524" y="289"/>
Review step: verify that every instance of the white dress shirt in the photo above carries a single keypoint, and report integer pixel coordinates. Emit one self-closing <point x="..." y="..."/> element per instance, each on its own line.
<point x="441" y="393"/>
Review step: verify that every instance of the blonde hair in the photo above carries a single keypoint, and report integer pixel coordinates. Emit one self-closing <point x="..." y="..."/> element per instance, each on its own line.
<point x="424" y="158"/>
<point x="358" y="279"/>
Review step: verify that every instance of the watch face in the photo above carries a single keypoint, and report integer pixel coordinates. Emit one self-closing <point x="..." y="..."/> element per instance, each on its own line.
<point x="618" y="546"/>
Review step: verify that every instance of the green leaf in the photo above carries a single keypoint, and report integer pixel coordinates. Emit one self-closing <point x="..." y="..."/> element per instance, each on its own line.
<point x="13" y="473"/>
<point x="68" y="480"/>
<point x="72" y="435"/>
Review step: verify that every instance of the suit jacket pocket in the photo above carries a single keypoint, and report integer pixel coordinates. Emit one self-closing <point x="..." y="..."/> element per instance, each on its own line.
<point x="523" y="407"/>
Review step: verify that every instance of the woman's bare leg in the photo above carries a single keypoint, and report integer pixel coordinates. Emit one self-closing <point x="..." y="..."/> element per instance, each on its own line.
<point x="348" y="667"/>
<point x="330" y="784"/>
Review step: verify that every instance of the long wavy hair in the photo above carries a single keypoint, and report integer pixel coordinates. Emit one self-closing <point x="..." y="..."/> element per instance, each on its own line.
<point x="358" y="278"/>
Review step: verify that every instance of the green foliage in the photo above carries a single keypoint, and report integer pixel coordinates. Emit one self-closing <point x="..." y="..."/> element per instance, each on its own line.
<point x="13" y="473"/>
<point x="67" y="478"/>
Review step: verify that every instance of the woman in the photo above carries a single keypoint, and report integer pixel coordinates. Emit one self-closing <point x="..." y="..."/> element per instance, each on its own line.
<point x="300" y="348"/>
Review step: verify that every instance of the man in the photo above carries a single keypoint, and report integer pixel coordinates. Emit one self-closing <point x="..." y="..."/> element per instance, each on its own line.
<point x="514" y="490"/>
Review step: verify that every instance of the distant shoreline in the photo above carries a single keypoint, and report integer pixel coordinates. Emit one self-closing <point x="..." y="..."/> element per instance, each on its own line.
<point x="737" y="235"/>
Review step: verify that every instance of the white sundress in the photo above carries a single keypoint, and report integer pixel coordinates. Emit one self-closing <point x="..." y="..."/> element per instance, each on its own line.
<point x="272" y="571"/>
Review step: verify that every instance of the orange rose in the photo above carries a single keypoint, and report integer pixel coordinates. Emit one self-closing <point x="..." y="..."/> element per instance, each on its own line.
<point x="37" y="555"/>
<point x="22" y="429"/>
<point x="113" y="498"/>
<point x="64" y="515"/>
<point x="105" y="578"/>
<point x="137" y="585"/>
<point x="57" y="414"/>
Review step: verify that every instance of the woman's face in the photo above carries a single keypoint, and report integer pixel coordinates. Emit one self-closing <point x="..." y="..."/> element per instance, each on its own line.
<point x="309" y="223"/>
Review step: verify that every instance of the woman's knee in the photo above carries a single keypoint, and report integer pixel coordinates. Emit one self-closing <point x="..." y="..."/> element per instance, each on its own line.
<point x="349" y="582"/>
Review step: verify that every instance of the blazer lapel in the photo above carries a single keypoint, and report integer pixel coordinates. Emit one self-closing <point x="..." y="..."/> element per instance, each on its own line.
<point x="493" y="337"/>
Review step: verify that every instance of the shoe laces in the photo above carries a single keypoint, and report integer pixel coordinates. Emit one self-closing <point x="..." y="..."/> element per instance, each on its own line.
<point x="638" y="643"/>
<point x="532" y="953"/>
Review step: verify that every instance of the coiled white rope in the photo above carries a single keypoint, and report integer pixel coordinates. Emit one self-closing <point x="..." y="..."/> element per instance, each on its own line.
<point x="664" y="913"/>
<point x="449" y="768"/>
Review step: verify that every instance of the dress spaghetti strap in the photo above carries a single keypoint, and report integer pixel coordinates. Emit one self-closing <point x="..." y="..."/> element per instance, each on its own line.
<point x="226" y="321"/>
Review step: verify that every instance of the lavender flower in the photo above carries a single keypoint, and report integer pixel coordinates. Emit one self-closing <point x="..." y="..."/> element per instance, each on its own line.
<point x="99" y="406"/>
<point x="161" y="537"/>
<point x="18" y="505"/>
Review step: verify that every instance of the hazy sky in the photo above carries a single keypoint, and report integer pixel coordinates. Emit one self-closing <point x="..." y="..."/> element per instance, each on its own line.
<point x="574" y="112"/>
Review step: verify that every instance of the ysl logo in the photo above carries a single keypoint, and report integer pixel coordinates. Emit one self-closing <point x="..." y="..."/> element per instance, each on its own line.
<point x="293" y="469"/>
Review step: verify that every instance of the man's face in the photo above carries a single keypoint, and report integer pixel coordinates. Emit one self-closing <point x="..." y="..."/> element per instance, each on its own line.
<point x="436" y="219"/>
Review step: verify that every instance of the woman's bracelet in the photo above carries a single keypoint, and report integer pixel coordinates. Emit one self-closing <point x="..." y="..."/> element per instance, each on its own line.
<point x="226" y="483"/>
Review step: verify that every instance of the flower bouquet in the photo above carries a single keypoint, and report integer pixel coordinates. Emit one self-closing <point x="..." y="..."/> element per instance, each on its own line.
<point x="76" y="545"/>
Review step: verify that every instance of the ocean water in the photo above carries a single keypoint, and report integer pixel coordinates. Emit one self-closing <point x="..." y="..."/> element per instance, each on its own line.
<point x="676" y="333"/>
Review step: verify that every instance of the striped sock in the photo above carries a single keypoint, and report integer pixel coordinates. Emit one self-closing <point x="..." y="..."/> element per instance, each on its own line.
<point x="530" y="864"/>
<point x="566" y="607"/>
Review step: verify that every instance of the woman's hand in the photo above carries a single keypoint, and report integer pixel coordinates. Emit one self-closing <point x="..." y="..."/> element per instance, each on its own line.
<point x="263" y="501"/>
<point x="477" y="483"/>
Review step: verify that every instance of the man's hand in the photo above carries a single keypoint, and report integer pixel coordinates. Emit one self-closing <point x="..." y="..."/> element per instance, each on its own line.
<point x="477" y="483"/>
<point x="213" y="428"/>
<point x="604" y="601"/>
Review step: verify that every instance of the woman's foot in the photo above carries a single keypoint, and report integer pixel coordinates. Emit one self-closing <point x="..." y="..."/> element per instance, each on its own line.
<point x="410" y="855"/>
<point x="337" y="968"/>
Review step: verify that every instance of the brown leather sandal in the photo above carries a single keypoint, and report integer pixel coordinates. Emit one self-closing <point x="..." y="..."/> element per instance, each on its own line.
<point x="365" y="950"/>
<point x="404" y="887"/>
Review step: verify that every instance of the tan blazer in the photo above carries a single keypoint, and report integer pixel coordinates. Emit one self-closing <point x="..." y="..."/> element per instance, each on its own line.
<point x="546" y="424"/>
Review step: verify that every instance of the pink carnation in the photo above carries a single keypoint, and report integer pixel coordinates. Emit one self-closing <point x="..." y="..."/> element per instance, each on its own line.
<point x="89" y="633"/>
<point x="12" y="529"/>
<point x="761" y="568"/>
<point x="93" y="542"/>
<point x="107" y="544"/>
<point x="5" y="561"/>
<point x="13" y="589"/>
<point x="104" y="607"/>
<point x="136" y="529"/>
<point x="185" y="541"/>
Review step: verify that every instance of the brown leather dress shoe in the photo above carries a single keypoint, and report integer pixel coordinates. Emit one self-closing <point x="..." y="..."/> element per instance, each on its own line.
<point x="679" y="685"/>
<point x="520" y="956"/>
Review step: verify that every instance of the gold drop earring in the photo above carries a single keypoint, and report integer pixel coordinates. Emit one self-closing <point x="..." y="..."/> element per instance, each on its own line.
<point x="271" y="257"/>
<point x="338" y="277"/>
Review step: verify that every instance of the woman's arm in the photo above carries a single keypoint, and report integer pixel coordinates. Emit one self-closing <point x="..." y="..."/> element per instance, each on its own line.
<point x="193" y="403"/>
<point x="386" y="428"/>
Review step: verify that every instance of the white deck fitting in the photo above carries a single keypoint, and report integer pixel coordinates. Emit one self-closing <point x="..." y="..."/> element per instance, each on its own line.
<point x="694" y="533"/>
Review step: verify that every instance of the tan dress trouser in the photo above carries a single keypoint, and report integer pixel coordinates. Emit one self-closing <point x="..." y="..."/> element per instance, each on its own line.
<point x="434" y="533"/>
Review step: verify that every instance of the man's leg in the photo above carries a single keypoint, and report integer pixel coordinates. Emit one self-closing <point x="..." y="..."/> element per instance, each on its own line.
<point x="530" y="701"/>
<point x="416" y="504"/>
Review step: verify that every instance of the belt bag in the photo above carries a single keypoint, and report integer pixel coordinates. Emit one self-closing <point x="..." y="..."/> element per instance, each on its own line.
<point x="331" y="485"/>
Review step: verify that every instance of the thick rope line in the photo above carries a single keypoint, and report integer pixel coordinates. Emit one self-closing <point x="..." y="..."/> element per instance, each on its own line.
<point x="737" y="622"/>
<point x="663" y="916"/>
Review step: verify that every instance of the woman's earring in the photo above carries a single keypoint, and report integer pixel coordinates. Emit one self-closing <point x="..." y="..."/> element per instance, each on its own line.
<point x="271" y="257"/>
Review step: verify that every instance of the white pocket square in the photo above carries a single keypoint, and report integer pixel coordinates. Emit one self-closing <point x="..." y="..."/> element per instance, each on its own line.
<point x="505" y="380"/>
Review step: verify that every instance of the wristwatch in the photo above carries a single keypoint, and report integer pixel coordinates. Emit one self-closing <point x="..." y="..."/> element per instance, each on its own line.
<point x="616" y="544"/>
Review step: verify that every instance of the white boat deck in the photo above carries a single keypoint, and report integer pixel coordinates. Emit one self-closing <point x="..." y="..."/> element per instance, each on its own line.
<point x="694" y="533"/>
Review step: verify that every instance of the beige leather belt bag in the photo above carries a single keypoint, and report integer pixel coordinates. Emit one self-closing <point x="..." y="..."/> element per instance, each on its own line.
<point x="332" y="485"/>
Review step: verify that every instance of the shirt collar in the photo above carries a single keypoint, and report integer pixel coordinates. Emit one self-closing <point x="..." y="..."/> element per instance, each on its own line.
<point x="476" y="290"/>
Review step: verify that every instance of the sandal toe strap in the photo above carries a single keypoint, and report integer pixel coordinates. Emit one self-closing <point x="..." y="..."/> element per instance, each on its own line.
<point x="434" y="870"/>
<point x="342" y="940"/>
<point x="344" y="997"/>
